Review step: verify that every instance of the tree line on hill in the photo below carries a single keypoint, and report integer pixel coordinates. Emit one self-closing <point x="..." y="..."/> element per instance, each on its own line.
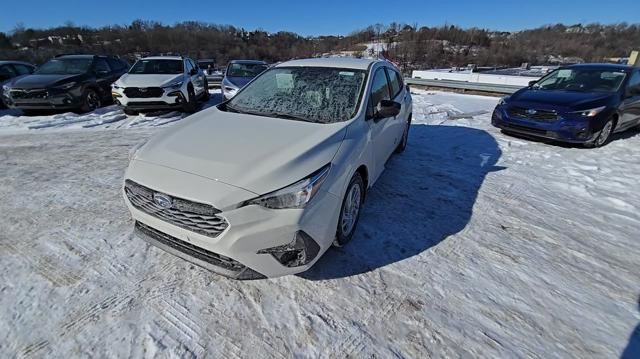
<point x="408" y="45"/>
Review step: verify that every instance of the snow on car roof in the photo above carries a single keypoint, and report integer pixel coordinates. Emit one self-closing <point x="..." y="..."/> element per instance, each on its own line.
<point x="340" y="62"/>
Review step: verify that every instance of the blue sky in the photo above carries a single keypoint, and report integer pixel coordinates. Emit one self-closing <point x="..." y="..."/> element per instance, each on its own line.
<point x="314" y="17"/>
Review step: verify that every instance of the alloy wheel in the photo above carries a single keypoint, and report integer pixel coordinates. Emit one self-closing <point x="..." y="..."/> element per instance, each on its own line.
<point x="351" y="209"/>
<point x="605" y="133"/>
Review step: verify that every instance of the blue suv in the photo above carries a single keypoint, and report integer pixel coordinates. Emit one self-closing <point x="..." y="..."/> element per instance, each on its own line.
<point x="581" y="104"/>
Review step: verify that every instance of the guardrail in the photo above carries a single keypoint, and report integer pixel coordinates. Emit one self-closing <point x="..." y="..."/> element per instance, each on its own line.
<point x="466" y="86"/>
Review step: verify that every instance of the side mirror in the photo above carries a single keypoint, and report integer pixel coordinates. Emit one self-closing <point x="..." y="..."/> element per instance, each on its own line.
<point x="387" y="108"/>
<point x="531" y="83"/>
<point x="193" y="72"/>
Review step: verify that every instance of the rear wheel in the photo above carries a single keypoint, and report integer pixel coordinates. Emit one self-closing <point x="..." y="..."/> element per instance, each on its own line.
<point x="90" y="101"/>
<point x="191" y="102"/>
<point x="405" y="137"/>
<point x="604" y="135"/>
<point x="350" y="211"/>
<point x="206" y="95"/>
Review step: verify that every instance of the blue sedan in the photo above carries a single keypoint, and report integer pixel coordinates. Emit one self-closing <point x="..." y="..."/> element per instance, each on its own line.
<point x="582" y="104"/>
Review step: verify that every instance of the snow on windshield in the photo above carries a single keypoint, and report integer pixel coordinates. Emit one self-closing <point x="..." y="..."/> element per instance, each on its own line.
<point x="316" y="94"/>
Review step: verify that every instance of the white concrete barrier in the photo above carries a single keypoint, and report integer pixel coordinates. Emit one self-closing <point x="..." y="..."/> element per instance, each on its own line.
<point x="477" y="77"/>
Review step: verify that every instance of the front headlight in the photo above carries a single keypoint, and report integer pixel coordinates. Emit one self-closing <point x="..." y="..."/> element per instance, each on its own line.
<point x="173" y="85"/>
<point x="66" y="86"/>
<point x="115" y="86"/>
<point x="590" y="112"/>
<point x="6" y="89"/>
<point x="503" y="101"/>
<point x="230" y="91"/>
<point x="296" y="195"/>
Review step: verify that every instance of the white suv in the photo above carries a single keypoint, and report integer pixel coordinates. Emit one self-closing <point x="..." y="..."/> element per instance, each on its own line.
<point x="161" y="83"/>
<point x="264" y="183"/>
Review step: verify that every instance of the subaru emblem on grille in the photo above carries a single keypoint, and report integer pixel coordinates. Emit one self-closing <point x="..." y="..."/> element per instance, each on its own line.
<point x="142" y="89"/>
<point x="532" y="111"/>
<point x="162" y="200"/>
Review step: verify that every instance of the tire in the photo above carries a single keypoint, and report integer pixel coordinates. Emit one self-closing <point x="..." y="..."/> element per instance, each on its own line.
<point x="604" y="135"/>
<point x="130" y="112"/>
<point x="206" y="94"/>
<point x="90" y="101"/>
<point x="405" y="137"/>
<point x="191" y="103"/>
<point x="350" y="215"/>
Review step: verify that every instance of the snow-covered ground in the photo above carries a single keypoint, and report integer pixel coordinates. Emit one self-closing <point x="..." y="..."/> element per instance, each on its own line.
<point x="472" y="244"/>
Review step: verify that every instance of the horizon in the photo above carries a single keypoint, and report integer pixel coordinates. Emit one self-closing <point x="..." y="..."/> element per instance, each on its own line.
<point x="310" y="20"/>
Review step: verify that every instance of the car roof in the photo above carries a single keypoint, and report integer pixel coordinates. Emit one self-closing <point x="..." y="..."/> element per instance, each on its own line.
<point x="338" y="62"/>
<point x="162" y="58"/>
<point x="248" y="62"/>
<point x="613" y="67"/>
<point x="80" y="56"/>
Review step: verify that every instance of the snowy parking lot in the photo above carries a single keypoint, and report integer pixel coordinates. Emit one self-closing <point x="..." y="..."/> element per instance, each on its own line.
<point x="472" y="244"/>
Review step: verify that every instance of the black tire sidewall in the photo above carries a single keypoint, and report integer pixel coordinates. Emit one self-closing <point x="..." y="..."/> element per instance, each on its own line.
<point x="85" y="100"/>
<point x="341" y="238"/>
<point x="190" y="104"/>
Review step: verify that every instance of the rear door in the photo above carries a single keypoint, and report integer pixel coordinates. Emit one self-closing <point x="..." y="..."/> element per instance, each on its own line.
<point x="399" y="95"/>
<point x="631" y="103"/>
<point x="105" y="76"/>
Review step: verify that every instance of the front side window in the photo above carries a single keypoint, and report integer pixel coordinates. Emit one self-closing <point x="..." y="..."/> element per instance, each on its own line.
<point x="379" y="88"/>
<point x="245" y="70"/>
<point x="583" y="80"/>
<point x="157" y="67"/>
<point x="634" y="81"/>
<point x="62" y="66"/>
<point x="313" y="94"/>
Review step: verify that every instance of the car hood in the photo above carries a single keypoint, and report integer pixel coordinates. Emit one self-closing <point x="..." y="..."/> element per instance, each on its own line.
<point x="146" y="80"/>
<point x="255" y="153"/>
<point x="41" y="81"/>
<point x="560" y="99"/>
<point x="239" y="81"/>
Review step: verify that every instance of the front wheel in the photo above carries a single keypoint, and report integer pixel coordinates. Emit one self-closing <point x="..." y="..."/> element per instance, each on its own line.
<point x="350" y="211"/>
<point x="604" y="135"/>
<point x="90" y="101"/>
<point x="190" y="103"/>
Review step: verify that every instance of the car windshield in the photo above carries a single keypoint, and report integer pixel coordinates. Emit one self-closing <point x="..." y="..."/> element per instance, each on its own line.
<point x="313" y="94"/>
<point x="65" y="67"/>
<point x="156" y="67"/>
<point x="584" y="80"/>
<point x="245" y="70"/>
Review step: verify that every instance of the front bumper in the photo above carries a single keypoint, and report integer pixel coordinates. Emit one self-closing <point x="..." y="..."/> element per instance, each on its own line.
<point x="563" y="129"/>
<point x="169" y="100"/>
<point x="251" y="229"/>
<point x="48" y="100"/>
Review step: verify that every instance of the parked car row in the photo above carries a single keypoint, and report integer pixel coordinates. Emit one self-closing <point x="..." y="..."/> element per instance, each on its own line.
<point x="86" y="82"/>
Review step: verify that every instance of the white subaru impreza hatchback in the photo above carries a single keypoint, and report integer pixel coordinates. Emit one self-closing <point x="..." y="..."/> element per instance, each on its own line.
<point x="263" y="184"/>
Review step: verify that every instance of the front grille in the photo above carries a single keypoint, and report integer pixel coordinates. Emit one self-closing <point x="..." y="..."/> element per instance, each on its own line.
<point x="143" y="92"/>
<point x="533" y="114"/>
<point x="193" y="216"/>
<point x="19" y="94"/>
<point x="533" y="131"/>
<point x="190" y="249"/>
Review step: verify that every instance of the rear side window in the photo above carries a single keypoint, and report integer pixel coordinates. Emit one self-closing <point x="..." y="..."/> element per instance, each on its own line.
<point x="396" y="82"/>
<point x="115" y="64"/>
<point x="6" y="72"/>
<point x="102" y="66"/>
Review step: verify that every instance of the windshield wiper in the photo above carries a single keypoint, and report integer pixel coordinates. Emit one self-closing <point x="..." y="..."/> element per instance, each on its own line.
<point x="233" y="109"/>
<point x="287" y="116"/>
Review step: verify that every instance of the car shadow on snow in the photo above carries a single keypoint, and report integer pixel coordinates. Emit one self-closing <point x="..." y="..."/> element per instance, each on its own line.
<point x="425" y="195"/>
